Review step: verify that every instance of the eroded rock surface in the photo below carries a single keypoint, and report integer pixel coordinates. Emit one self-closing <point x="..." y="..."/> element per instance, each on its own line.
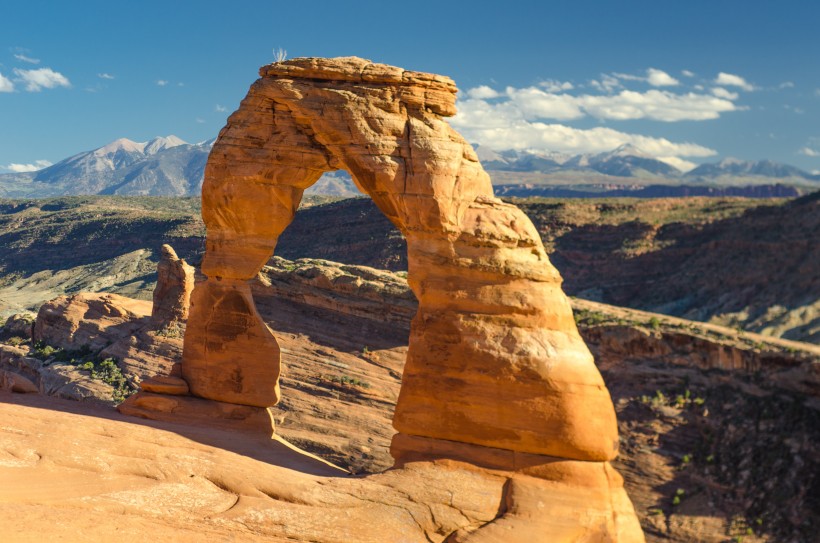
<point x="88" y="320"/>
<point x="495" y="362"/>
<point x="172" y="295"/>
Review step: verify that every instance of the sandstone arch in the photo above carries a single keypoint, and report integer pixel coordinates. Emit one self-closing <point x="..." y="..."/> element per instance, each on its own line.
<point x="496" y="373"/>
<point x="495" y="358"/>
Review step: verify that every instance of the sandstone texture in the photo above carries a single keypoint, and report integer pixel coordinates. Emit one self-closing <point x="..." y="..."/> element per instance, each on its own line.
<point x="495" y="361"/>
<point x="341" y="376"/>
<point x="172" y="295"/>
<point x="89" y="320"/>
<point x="177" y="482"/>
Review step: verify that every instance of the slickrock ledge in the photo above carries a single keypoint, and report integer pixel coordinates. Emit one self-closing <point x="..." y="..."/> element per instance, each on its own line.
<point x="495" y="360"/>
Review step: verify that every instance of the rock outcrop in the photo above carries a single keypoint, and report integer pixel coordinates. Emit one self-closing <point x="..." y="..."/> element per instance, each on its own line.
<point x="172" y="295"/>
<point x="89" y="321"/>
<point x="497" y="374"/>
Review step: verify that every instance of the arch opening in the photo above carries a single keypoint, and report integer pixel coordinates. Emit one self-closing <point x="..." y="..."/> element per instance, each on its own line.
<point x="495" y="359"/>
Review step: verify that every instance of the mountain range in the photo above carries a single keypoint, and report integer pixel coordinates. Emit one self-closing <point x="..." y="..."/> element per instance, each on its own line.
<point x="631" y="163"/>
<point x="168" y="166"/>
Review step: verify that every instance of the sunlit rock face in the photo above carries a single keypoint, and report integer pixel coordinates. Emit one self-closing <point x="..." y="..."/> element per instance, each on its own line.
<point x="496" y="374"/>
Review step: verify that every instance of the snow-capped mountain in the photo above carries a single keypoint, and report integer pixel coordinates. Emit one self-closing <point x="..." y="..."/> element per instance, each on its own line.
<point x="625" y="161"/>
<point x="168" y="166"/>
<point x="747" y="168"/>
<point x="163" y="166"/>
<point x="631" y="163"/>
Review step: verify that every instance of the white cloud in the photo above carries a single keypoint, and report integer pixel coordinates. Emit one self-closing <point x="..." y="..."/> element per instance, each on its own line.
<point x="24" y="58"/>
<point x="220" y="109"/>
<point x="786" y="85"/>
<point x="41" y="78"/>
<point x="687" y="73"/>
<point x="808" y="151"/>
<point x="551" y="85"/>
<point x="656" y="105"/>
<point x="659" y="78"/>
<point x="180" y="84"/>
<point x="679" y="163"/>
<point x="38" y="165"/>
<point x="6" y="85"/>
<point x="483" y="92"/>
<point x="161" y="82"/>
<point x="655" y="77"/>
<point x="720" y="92"/>
<point x="526" y="135"/>
<point x="200" y="120"/>
<point x="532" y="103"/>
<point x="105" y="76"/>
<point x="731" y="80"/>
<point x="608" y="83"/>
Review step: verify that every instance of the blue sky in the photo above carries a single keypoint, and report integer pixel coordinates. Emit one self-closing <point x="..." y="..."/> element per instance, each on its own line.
<point x="691" y="81"/>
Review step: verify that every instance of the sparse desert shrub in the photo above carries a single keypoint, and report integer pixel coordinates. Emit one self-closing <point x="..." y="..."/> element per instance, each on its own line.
<point x="15" y="341"/>
<point x="173" y="330"/>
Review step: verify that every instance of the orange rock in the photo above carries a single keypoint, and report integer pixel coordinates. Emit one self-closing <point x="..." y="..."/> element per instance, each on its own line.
<point x="172" y="295"/>
<point x="230" y="355"/>
<point x="89" y="320"/>
<point x="495" y="359"/>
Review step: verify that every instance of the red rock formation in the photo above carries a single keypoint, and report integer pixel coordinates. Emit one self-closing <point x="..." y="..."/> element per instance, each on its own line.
<point x="172" y="295"/>
<point x="496" y="373"/>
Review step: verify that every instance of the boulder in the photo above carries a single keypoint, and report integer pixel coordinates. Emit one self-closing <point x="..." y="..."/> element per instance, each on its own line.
<point x="90" y="321"/>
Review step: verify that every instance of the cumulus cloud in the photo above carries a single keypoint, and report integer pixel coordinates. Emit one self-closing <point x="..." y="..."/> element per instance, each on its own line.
<point x="659" y="78"/>
<point x="731" y="80"/>
<point x="720" y="92"/>
<point x="23" y="58"/>
<point x="535" y="103"/>
<point x="550" y="85"/>
<point x="687" y="73"/>
<point x="105" y="76"/>
<point x="524" y="119"/>
<point x="37" y="165"/>
<point x="608" y="83"/>
<point x="161" y="82"/>
<point x="532" y="103"/>
<point x="220" y="109"/>
<point x="812" y="148"/>
<point x="530" y="118"/>
<point x="655" y="77"/>
<point x="41" y="78"/>
<point x="483" y="92"/>
<point x="5" y="84"/>
<point x="534" y="135"/>
<point x="656" y="105"/>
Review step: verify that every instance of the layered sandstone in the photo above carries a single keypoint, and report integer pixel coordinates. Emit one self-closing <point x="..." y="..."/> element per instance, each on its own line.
<point x="495" y="367"/>
<point x="89" y="321"/>
<point x="172" y="295"/>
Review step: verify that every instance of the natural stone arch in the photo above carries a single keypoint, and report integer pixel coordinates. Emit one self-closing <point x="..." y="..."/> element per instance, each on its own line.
<point x="497" y="375"/>
<point x="495" y="359"/>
